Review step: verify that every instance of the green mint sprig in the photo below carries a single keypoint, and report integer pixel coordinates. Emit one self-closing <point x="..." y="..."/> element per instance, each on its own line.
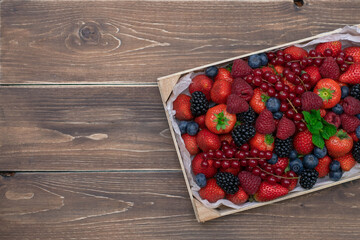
<point x="318" y="127"/>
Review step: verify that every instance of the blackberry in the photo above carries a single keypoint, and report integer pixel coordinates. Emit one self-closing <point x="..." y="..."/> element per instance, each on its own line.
<point x="246" y="117"/>
<point x="199" y="103"/>
<point x="356" y="151"/>
<point x="355" y="91"/>
<point x="283" y="147"/>
<point x="228" y="182"/>
<point x="308" y="178"/>
<point x="242" y="133"/>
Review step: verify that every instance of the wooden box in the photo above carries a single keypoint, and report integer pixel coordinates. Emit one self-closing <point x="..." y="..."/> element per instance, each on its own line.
<point x="166" y="85"/>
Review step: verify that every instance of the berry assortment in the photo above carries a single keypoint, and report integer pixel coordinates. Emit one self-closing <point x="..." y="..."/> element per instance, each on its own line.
<point x="266" y="124"/>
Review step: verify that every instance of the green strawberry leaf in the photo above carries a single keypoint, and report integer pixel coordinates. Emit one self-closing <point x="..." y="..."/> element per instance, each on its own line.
<point x="269" y="139"/>
<point x="237" y="123"/>
<point x="326" y="93"/>
<point x="302" y="72"/>
<point x="221" y="121"/>
<point x="287" y="168"/>
<point x="229" y="67"/>
<point x="264" y="97"/>
<point x="318" y="141"/>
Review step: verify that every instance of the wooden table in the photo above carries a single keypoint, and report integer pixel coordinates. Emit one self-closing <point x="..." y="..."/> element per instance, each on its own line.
<point x="85" y="149"/>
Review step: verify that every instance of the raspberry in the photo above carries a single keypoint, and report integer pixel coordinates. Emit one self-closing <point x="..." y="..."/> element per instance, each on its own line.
<point x="240" y="69"/>
<point x="242" y="89"/>
<point x="333" y="119"/>
<point x="349" y="123"/>
<point x="236" y="104"/>
<point x="265" y="123"/>
<point x="351" y="106"/>
<point x="286" y="128"/>
<point x="249" y="182"/>
<point x="330" y="69"/>
<point x="310" y="100"/>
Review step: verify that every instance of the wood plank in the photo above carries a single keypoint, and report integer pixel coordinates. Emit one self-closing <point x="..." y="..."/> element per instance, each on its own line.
<point x="155" y="205"/>
<point x="84" y="128"/>
<point x="127" y="42"/>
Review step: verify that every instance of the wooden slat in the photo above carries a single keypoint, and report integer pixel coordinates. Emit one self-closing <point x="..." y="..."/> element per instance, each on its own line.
<point x="155" y="205"/>
<point x="136" y="42"/>
<point x="84" y="128"/>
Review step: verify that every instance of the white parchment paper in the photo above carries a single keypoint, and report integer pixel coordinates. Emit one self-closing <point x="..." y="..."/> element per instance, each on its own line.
<point x="349" y="36"/>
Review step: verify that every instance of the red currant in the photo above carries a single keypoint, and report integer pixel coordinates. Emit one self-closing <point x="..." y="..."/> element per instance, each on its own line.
<point x="225" y="164"/>
<point x="312" y="53"/>
<point x="291" y="174"/>
<point x="310" y="61"/>
<point x="263" y="175"/>
<point x="243" y="162"/>
<point x="271" y="92"/>
<point x="305" y="77"/>
<point x="280" y="61"/>
<point x="261" y="162"/>
<point x="271" y="55"/>
<point x="298" y="117"/>
<point x="344" y="67"/>
<point x="218" y="154"/>
<point x="349" y="59"/>
<point x="284" y="106"/>
<point x="268" y="155"/>
<point x="278" y="171"/>
<point x="245" y="147"/>
<point x="257" y="81"/>
<point x="297" y="71"/>
<point x="341" y="54"/>
<point x="303" y="63"/>
<point x="286" y="88"/>
<point x="299" y="89"/>
<point x="340" y="60"/>
<point x="328" y="52"/>
<point x="235" y="164"/>
<point x="272" y="79"/>
<point x="262" y="154"/>
<point x="288" y="64"/>
<point x="254" y="152"/>
<point x="252" y="162"/>
<point x="211" y="154"/>
<point x="283" y="95"/>
<point x="285" y="182"/>
<point x="229" y="153"/>
<point x="271" y="179"/>
<point x="318" y="62"/>
<point x="256" y="171"/>
<point x="280" y="53"/>
<point x="292" y="95"/>
<point x="301" y="126"/>
<point x="217" y="164"/>
<point x="204" y="164"/>
<point x="296" y="101"/>
<point x="290" y="113"/>
<point x="264" y="87"/>
<point x="240" y="155"/>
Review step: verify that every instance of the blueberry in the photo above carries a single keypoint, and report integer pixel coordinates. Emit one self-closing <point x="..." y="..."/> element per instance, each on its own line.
<point x="211" y="72"/>
<point x="334" y="166"/>
<point x="263" y="58"/>
<point x="273" y="159"/>
<point x="335" y="175"/>
<point x="310" y="161"/>
<point x="357" y="131"/>
<point x="192" y="128"/>
<point x="296" y="165"/>
<point x="182" y="126"/>
<point x="344" y="91"/>
<point x="338" y="109"/>
<point x="273" y="104"/>
<point x="212" y="104"/>
<point x="278" y="115"/>
<point x="293" y="155"/>
<point x="254" y="61"/>
<point x="320" y="153"/>
<point x="200" y="180"/>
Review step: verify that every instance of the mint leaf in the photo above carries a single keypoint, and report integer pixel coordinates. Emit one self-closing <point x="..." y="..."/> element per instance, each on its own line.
<point x="312" y="129"/>
<point x="328" y="131"/>
<point x="307" y="116"/>
<point x="316" y="114"/>
<point x="318" y="125"/>
<point x="318" y="141"/>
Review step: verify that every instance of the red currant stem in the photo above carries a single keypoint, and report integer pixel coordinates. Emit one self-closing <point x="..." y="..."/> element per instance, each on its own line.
<point x="293" y="107"/>
<point x="277" y="175"/>
<point x="302" y="83"/>
<point x="294" y="61"/>
<point x="349" y="62"/>
<point x="317" y="57"/>
<point x="233" y="159"/>
<point x="267" y="82"/>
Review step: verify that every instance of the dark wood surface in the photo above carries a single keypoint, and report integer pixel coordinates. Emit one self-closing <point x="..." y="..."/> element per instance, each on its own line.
<point x="83" y="127"/>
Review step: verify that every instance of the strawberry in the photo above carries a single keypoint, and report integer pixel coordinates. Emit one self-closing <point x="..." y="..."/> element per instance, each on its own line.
<point x="201" y="121"/>
<point x="224" y="74"/>
<point x="197" y="167"/>
<point x="339" y="144"/>
<point x="349" y="123"/>
<point x="218" y="120"/>
<point x="354" y="137"/>
<point x="285" y="128"/>
<point x="182" y="107"/>
<point x="333" y="119"/>
<point x="220" y="91"/>
<point x="351" y="105"/>
<point x="329" y="91"/>
<point x="201" y="83"/>
<point x="334" y="46"/>
<point x="207" y="140"/>
<point x="323" y="166"/>
<point x="347" y="162"/>
<point x="262" y="142"/>
<point x="267" y="69"/>
<point x="352" y="75"/>
<point x="329" y="69"/>
<point x="303" y="142"/>
<point x="226" y="137"/>
<point x="282" y="163"/>
<point x="242" y="89"/>
<point x="249" y="182"/>
<point x="314" y="73"/>
<point x="265" y="123"/>
<point x="239" y="197"/>
<point x="232" y="170"/>
<point x="268" y="192"/>
<point x="258" y="100"/>
<point x="310" y="100"/>
<point x="236" y="104"/>
<point x="296" y="53"/>
<point x="290" y="85"/>
<point x="354" y="52"/>
<point x="279" y="69"/>
<point x="212" y="192"/>
<point x="240" y="68"/>
<point x="322" y="112"/>
<point x="190" y="143"/>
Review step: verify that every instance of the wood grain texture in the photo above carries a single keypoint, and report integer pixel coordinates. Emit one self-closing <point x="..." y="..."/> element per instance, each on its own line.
<point x="84" y="128"/>
<point x="136" y="42"/>
<point x="155" y="205"/>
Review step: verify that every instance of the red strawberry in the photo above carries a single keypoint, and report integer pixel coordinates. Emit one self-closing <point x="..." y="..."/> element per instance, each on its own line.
<point x="190" y="143"/>
<point x="286" y="128"/>
<point x="224" y="74"/>
<point x="249" y="182"/>
<point x="182" y="107"/>
<point x="314" y="73"/>
<point x="322" y="112"/>
<point x="240" y="68"/>
<point x="201" y="121"/>
<point x="267" y="69"/>
<point x="242" y="89"/>
<point x="279" y="69"/>
<point x="335" y="47"/>
<point x="339" y="144"/>
<point x="310" y="100"/>
<point x="220" y="91"/>
<point x="268" y="192"/>
<point x="354" y="137"/>
<point x="201" y="83"/>
<point x="333" y="119"/>
<point x="207" y="140"/>
<point x="296" y="52"/>
<point x="330" y="69"/>
<point x="239" y="197"/>
<point x="282" y="163"/>
<point x="218" y="120"/>
<point x="329" y="91"/>
<point x="212" y="192"/>
<point x="354" y="52"/>
<point x="197" y="167"/>
<point x="226" y="137"/>
<point x="258" y="100"/>
<point x="265" y="123"/>
<point x="351" y="105"/>
<point x="352" y="75"/>
<point x="236" y="104"/>
<point x="303" y="142"/>
<point x="347" y="162"/>
<point x="349" y="123"/>
<point x="323" y="166"/>
<point x="262" y="142"/>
